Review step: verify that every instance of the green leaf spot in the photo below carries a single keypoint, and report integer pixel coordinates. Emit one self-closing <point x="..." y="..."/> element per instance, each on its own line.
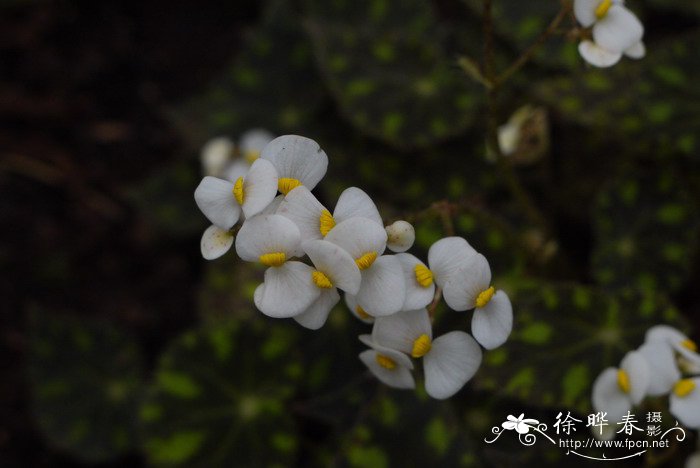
<point x="575" y="383"/>
<point x="177" y="449"/>
<point x="178" y="385"/>
<point x="438" y="436"/>
<point x="536" y="333"/>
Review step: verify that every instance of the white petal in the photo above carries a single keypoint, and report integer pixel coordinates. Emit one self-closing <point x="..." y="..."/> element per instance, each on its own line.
<point x="400" y="236"/>
<point x="354" y="203"/>
<point x="215" y="242"/>
<point x="608" y="397"/>
<point x="335" y="263"/>
<point x="215" y="198"/>
<point x="351" y="302"/>
<point x="584" y="10"/>
<point x="215" y="155"/>
<point x="304" y="209"/>
<point x="358" y="236"/>
<point x="637" y="370"/>
<point x="238" y="168"/>
<point x="315" y="316"/>
<point x="264" y="234"/>
<point x="447" y="256"/>
<point x="451" y="362"/>
<point x="666" y="334"/>
<point x="637" y="51"/>
<point x="417" y="296"/>
<point x="618" y="30"/>
<point x="400" y="358"/>
<point x="400" y="331"/>
<point x="597" y="56"/>
<point x="367" y="340"/>
<point x="259" y="187"/>
<point x="492" y="324"/>
<point x="662" y="367"/>
<point x="383" y="289"/>
<point x="464" y="286"/>
<point x="287" y="290"/>
<point x="399" y="377"/>
<point x="297" y="157"/>
<point x="273" y="206"/>
<point x="255" y="140"/>
<point x="687" y="409"/>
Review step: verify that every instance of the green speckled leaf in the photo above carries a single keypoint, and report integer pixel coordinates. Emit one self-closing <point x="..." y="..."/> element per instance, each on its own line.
<point x="563" y="337"/>
<point x="272" y="84"/>
<point x="86" y="379"/>
<point x="218" y="398"/>
<point x="383" y="63"/>
<point x="646" y="229"/>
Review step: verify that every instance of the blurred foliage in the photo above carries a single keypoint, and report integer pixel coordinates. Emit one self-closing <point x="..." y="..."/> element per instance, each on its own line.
<point x="86" y="382"/>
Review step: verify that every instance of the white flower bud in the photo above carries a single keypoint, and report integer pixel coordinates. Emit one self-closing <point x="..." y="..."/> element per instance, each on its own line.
<point x="400" y="236"/>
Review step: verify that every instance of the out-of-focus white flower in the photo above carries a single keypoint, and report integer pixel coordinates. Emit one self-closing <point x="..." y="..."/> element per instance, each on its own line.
<point x="334" y="269"/>
<point x="222" y="201"/>
<point x="391" y="367"/>
<point x="216" y="155"/>
<point x="383" y="290"/>
<point x="315" y="221"/>
<point x="662" y="365"/>
<point x="449" y="361"/>
<point x="674" y="338"/>
<point x="251" y="146"/>
<point x="693" y="461"/>
<point x="298" y="160"/>
<point x="616" y="31"/>
<point x="215" y="242"/>
<point x="616" y="391"/>
<point x="525" y="137"/>
<point x="288" y="288"/>
<point x="420" y="287"/>
<point x="471" y="288"/>
<point x="400" y="236"/>
<point x="685" y="402"/>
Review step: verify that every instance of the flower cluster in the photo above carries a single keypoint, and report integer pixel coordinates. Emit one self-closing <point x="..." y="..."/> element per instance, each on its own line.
<point x="667" y="363"/>
<point x="346" y="250"/>
<point x="615" y="31"/>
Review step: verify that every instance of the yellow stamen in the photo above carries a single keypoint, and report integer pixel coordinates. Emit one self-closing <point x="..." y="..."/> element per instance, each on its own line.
<point x="321" y="280"/>
<point x="273" y="259"/>
<point x="326" y="222"/>
<point x="485" y="296"/>
<point x="423" y="275"/>
<point x="421" y="346"/>
<point x="690" y="344"/>
<point x="623" y="381"/>
<point x="362" y="313"/>
<point x="602" y="9"/>
<point x="684" y="387"/>
<point x="251" y="156"/>
<point x="238" y="190"/>
<point x="286" y="185"/>
<point x="366" y="260"/>
<point x="386" y="362"/>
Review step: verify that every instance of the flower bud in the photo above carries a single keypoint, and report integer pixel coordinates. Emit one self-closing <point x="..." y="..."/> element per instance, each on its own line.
<point x="400" y="236"/>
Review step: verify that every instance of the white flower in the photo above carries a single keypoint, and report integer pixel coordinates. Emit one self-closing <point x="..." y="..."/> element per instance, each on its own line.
<point x="215" y="242"/>
<point x="674" y="338"/>
<point x="215" y="155"/>
<point x="334" y="269"/>
<point x="420" y="288"/>
<point x="685" y="402"/>
<point x="449" y="361"/>
<point x="447" y="257"/>
<point x="357" y="311"/>
<point x="401" y="236"/>
<point x="616" y="31"/>
<point x="471" y="288"/>
<point x="391" y="367"/>
<point x="521" y="425"/>
<point x="253" y="142"/>
<point x="616" y="391"/>
<point x="662" y="366"/>
<point x="315" y="221"/>
<point x="222" y="201"/>
<point x="288" y="288"/>
<point x="383" y="289"/>
<point x="298" y="160"/>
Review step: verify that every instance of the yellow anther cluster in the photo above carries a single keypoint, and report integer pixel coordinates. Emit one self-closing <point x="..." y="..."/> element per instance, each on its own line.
<point x="386" y="362"/>
<point x="423" y="275"/>
<point x="238" y="190"/>
<point x="273" y="259"/>
<point x="690" y="344"/>
<point x="684" y="387"/>
<point x="485" y="296"/>
<point x="286" y="185"/>
<point x="602" y="9"/>
<point x="623" y="381"/>
<point x="321" y="280"/>
<point x="421" y="346"/>
<point x="362" y="313"/>
<point x="326" y="222"/>
<point x="366" y="260"/>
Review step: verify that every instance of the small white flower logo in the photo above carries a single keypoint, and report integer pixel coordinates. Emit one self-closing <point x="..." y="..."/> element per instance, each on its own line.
<point x="522" y="426"/>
